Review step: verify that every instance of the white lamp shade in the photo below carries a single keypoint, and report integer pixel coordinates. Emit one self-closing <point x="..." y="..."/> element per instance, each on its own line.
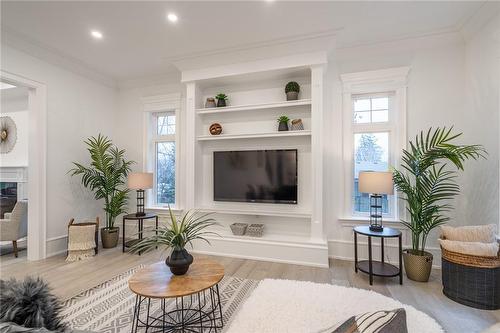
<point x="375" y="182"/>
<point x="140" y="180"/>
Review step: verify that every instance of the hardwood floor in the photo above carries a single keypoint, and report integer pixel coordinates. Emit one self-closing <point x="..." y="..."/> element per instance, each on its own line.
<point x="69" y="279"/>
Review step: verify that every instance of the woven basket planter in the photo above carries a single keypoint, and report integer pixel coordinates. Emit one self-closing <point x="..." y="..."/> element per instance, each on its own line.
<point x="255" y="230"/>
<point x="471" y="280"/>
<point x="238" y="229"/>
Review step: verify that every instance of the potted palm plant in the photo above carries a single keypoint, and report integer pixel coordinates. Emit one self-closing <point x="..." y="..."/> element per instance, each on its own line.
<point x="427" y="184"/>
<point x="176" y="236"/>
<point x="106" y="176"/>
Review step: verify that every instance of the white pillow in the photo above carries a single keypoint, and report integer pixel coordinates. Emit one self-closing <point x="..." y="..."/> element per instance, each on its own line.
<point x="471" y="248"/>
<point x="477" y="233"/>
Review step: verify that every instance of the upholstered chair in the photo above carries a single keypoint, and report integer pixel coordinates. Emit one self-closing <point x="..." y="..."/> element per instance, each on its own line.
<point x="13" y="226"/>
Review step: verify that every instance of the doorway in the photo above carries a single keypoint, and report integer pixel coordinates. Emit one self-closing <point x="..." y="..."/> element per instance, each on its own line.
<point x="29" y="166"/>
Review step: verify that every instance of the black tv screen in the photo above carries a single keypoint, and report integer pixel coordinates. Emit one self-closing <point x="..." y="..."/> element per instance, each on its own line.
<point x="268" y="176"/>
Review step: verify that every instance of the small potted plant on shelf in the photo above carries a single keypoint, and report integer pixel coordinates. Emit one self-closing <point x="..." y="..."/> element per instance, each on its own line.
<point x="292" y="90"/>
<point x="427" y="184"/>
<point x="106" y="176"/>
<point x="221" y="100"/>
<point x="176" y="236"/>
<point x="283" y="123"/>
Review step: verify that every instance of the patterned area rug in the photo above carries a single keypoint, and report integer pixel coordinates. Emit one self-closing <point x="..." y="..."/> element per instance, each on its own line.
<point x="109" y="306"/>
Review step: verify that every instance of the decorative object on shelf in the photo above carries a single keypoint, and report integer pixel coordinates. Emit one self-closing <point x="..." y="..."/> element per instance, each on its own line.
<point x="292" y="90"/>
<point x="255" y="230"/>
<point x="376" y="183"/>
<point x="8" y="134"/>
<point x="176" y="236"/>
<point x="427" y="184"/>
<point x="140" y="181"/>
<point x="215" y="129"/>
<point x="283" y="123"/>
<point x="221" y="100"/>
<point x="210" y="103"/>
<point x="106" y="176"/>
<point x="239" y="229"/>
<point x="297" y="125"/>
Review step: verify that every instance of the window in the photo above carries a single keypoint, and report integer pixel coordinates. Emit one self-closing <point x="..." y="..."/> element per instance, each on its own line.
<point x="164" y="143"/>
<point x="374" y="133"/>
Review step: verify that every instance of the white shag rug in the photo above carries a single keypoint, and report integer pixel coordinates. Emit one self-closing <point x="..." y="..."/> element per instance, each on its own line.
<point x="277" y="306"/>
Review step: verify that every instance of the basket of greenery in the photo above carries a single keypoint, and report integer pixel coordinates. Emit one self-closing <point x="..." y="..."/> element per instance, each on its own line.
<point x="283" y="123"/>
<point x="427" y="184"/>
<point x="175" y="237"/>
<point x="221" y="100"/>
<point x="292" y="90"/>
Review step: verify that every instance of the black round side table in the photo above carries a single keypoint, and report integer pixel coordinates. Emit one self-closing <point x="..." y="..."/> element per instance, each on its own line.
<point x="373" y="267"/>
<point x="140" y="226"/>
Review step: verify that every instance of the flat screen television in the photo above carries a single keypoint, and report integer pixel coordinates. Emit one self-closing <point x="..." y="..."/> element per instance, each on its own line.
<point x="267" y="176"/>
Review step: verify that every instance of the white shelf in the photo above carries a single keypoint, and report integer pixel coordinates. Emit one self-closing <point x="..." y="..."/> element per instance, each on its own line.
<point x="287" y="213"/>
<point x="263" y="106"/>
<point x="253" y="135"/>
<point x="266" y="237"/>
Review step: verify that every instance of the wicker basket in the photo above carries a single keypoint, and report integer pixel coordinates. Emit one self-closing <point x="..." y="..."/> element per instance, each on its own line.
<point x="255" y="230"/>
<point x="471" y="280"/>
<point x="238" y="229"/>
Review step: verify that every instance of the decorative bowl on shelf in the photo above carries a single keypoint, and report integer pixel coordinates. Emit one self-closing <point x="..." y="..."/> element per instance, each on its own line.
<point x="215" y="129"/>
<point x="238" y="229"/>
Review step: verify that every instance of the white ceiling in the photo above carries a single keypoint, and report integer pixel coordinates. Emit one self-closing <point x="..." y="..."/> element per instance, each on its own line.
<point x="139" y="41"/>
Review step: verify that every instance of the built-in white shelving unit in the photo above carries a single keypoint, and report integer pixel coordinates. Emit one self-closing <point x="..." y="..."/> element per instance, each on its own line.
<point x="292" y="233"/>
<point x="253" y="135"/>
<point x="263" y="106"/>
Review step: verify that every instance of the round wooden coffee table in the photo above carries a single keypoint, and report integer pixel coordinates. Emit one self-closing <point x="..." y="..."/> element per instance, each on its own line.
<point x="169" y="303"/>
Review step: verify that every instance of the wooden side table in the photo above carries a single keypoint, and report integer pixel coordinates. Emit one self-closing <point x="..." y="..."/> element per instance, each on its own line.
<point x="378" y="268"/>
<point x="187" y="303"/>
<point x="140" y="227"/>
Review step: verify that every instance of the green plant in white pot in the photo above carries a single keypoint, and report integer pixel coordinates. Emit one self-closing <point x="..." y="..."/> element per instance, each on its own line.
<point x="106" y="176"/>
<point x="427" y="184"/>
<point x="175" y="237"/>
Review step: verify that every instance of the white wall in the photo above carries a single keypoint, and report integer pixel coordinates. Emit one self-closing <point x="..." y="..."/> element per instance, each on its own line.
<point x="77" y="108"/>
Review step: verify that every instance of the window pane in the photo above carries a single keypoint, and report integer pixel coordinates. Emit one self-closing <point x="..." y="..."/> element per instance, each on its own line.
<point x="362" y="105"/>
<point x="165" y="173"/>
<point x="166" y="124"/>
<point x="362" y="117"/>
<point x="371" y="153"/>
<point x="380" y="116"/>
<point x="380" y="103"/>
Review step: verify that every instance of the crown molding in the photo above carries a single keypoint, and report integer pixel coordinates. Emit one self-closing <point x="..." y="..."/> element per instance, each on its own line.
<point x="171" y="77"/>
<point x="484" y="15"/>
<point x="33" y="48"/>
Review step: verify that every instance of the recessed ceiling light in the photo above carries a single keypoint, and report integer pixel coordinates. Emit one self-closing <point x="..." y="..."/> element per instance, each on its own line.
<point x="172" y="17"/>
<point x="96" y="34"/>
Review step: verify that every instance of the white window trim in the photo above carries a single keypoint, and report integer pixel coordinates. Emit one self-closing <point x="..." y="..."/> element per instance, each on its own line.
<point x="154" y="105"/>
<point x="373" y="82"/>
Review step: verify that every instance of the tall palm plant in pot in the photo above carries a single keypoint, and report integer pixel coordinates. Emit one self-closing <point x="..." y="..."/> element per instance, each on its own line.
<point x="427" y="184"/>
<point x="106" y="176"/>
<point x="175" y="237"/>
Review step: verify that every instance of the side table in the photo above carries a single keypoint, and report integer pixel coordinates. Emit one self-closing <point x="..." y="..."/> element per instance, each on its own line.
<point x="140" y="227"/>
<point x="185" y="303"/>
<point x="378" y="268"/>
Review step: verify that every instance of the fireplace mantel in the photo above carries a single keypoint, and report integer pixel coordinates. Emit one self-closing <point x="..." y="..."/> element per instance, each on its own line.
<point x="14" y="174"/>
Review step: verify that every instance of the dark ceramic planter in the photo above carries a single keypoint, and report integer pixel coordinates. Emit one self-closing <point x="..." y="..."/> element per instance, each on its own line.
<point x="179" y="261"/>
<point x="221" y="103"/>
<point x="109" y="237"/>
<point x="283" y="127"/>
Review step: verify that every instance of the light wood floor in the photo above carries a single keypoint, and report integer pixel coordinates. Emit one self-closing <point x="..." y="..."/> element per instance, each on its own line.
<point x="69" y="279"/>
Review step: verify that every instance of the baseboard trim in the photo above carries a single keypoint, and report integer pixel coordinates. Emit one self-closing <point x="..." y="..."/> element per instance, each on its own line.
<point x="56" y="245"/>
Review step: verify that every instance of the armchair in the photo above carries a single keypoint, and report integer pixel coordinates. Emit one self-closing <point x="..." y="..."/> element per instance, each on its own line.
<point x="13" y="227"/>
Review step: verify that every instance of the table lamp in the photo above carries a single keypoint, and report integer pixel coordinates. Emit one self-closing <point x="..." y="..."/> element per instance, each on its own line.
<point x="376" y="183"/>
<point x="140" y="181"/>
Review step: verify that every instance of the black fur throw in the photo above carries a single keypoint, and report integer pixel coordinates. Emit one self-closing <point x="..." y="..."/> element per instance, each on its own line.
<point x="30" y="303"/>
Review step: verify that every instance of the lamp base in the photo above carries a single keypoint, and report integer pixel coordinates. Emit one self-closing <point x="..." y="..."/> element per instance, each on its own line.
<point x="376" y="228"/>
<point x="139" y="214"/>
